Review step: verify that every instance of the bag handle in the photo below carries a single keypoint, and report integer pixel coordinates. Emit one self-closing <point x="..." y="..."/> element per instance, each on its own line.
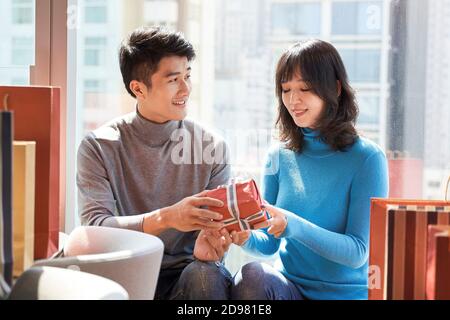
<point x="446" y="189"/>
<point x="5" y="102"/>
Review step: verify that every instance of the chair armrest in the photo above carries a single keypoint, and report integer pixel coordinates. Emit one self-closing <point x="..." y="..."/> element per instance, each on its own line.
<point x="48" y="283"/>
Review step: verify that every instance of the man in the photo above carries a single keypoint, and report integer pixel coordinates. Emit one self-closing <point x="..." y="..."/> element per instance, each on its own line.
<point x="130" y="174"/>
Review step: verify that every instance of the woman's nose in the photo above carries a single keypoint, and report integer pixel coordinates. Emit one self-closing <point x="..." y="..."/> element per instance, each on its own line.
<point x="294" y="97"/>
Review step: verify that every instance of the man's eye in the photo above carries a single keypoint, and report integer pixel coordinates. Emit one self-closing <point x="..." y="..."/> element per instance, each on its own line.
<point x="188" y="76"/>
<point x="173" y="80"/>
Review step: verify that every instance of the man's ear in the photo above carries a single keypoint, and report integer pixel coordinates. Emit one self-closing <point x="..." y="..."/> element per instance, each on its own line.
<point x="339" y="87"/>
<point x="138" y="88"/>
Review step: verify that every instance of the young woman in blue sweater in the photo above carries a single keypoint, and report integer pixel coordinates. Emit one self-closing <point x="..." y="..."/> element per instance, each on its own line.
<point x="318" y="184"/>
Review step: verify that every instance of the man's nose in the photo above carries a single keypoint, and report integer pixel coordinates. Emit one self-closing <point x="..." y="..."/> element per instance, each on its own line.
<point x="185" y="88"/>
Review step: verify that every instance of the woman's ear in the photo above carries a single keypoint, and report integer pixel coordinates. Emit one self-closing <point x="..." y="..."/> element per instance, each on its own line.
<point x="339" y="87"/>
<point x="138" y="88"/>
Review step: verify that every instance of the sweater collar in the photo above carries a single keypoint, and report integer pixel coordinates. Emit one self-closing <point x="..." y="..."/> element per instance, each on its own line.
<point x="314" y="145"/>
<point x="154" y="134"/>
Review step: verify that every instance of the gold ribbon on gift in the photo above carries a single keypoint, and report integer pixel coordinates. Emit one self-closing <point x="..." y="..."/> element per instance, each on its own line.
<point x="233" y="209"/>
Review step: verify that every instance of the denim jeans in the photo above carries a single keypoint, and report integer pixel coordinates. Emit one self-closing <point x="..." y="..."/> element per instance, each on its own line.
<point x="259" y="281"/>
<point x="197" y="281"/>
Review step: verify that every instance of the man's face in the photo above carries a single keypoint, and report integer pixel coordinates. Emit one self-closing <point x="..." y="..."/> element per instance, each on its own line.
<point x="167" y="98"/>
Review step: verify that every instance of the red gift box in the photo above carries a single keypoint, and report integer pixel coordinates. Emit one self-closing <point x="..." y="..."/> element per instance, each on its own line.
<point x="243" y="206"/>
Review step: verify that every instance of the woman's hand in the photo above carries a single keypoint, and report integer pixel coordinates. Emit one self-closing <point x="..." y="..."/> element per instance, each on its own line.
<point x="278" y="222"/>
<point x="241" y="237"/>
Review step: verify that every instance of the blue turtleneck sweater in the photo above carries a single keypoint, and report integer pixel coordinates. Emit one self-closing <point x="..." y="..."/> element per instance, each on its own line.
<point x="325" y="195"/>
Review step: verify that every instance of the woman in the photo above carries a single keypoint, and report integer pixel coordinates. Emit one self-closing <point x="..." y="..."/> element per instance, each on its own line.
<point x="318" y="186"/>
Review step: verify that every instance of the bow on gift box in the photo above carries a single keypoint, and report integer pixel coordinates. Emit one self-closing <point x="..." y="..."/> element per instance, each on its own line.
<point x="233" y="208"/>
<point x="243" y="207"/>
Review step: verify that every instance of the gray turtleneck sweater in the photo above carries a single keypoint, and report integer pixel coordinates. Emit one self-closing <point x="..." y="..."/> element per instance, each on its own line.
<point x="131" y="166"/>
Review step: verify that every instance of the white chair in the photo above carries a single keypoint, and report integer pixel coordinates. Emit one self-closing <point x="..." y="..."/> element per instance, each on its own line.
<point x="47" y="283"/>
<point x="130" y="258"/>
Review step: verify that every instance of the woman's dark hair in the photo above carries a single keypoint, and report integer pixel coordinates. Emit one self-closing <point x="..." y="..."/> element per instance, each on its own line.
<point x="141" y="52"/>
<point x="320" y="66"/>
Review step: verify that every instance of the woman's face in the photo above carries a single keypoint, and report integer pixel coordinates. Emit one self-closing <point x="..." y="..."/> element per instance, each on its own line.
<point x="304" y="106"/>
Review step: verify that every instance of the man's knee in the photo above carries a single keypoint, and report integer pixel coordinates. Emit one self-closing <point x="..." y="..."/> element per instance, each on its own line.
<point x="205" y="280"/>
<point x="198" y="270"/>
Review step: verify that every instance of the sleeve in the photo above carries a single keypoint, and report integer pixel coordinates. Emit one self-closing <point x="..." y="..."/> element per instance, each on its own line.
<point x="96" y="202"/>
<point x="352" y="248"/>
<point x="261" y="243"/>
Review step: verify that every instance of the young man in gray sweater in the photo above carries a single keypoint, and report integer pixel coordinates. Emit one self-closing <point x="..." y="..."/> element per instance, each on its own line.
<point x="136" y="173"/>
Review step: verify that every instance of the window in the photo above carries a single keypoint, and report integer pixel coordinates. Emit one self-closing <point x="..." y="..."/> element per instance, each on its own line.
<point x="91" y="57"/>
<point x="94" y="52"/>
<point x="14" y="75"/>
<point x="357" y="18"/>
<point x="96" y="15"/>
<point x="363" y="65"/>
<point x="369" y="111"/>
<point x="164" y="13"/>
<point x="22" y="51"/>
<point x="22" y="11"/>
<point x="295" y="18"/>
<point x="95" y="11"/>
<point x="94" y="85"/>
<point x="16" y="41"/>
<point x="402" y="84"/>
<point x="94" y="97"/>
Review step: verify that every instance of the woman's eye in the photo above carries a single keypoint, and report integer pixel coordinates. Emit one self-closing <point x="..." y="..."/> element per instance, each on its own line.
<point x="305" y="90"/>
<point x="285" y="90"/>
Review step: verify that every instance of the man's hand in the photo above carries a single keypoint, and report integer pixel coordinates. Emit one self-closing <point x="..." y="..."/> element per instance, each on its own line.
<point x="241" y="237"/>
<point x="211" y="245"/>
<point x="187" y="215"/>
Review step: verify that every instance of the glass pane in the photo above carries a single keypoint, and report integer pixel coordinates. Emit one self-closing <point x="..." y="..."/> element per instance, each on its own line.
<point x="22" y="52"/>
<point x="16" y="41"/>
<point x="295" y="18"/>
<point x="13" y="75"/>
<point x="95" y="85"/>
<point x="95" y="51"/>
<point x="160" y="12"/>
<point x="22" y="15"/>
<point x="96" y="14"/>
<point x="369" y="109"/>
<point x="91" y="57"/>
<point x="363" y="65"/>
<point x="95" y="41"/>
<point x="357" y="18"/>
